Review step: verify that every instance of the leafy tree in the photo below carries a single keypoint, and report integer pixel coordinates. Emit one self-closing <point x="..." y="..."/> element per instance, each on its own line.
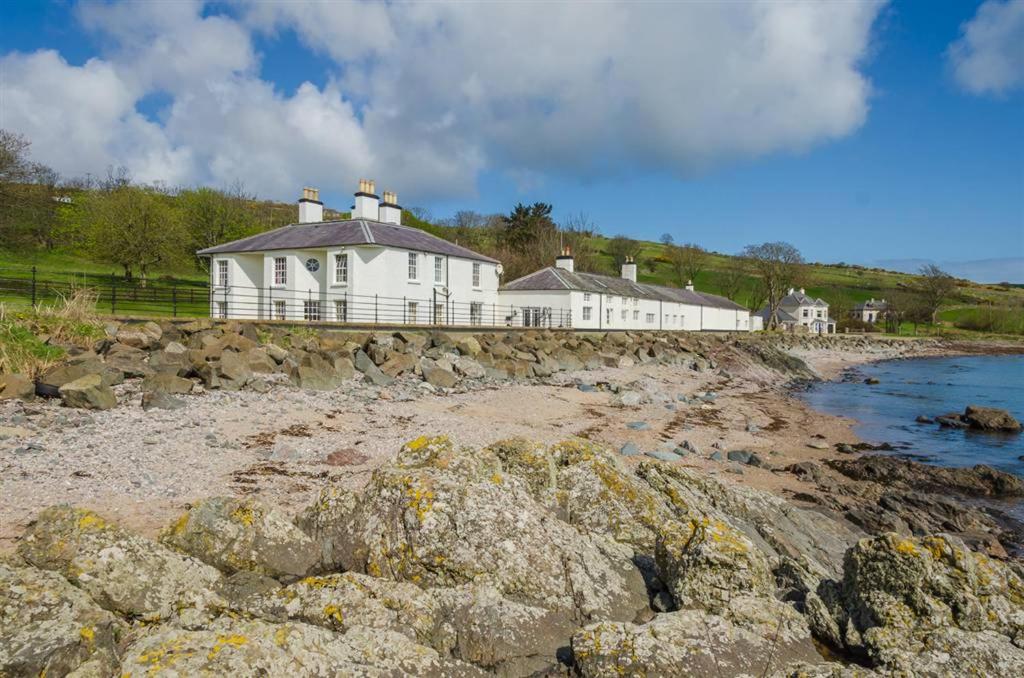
<point x="733" y="277"/>
<point x="528" y="224"/>
<point x="27" y="208"/>
<point x="213" y="216"/>
<point x="136" y="228"/>
<point x="934" y="287"/>
<point x="777" y="265"/>
<point x="667" y="239"/>
<point x="687" y="262"/>
<point x="622" y="248"/>
<point x="577" y="233"/>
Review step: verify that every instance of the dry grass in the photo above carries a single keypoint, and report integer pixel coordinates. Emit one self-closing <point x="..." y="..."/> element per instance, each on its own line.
<point x="30" y="343"/>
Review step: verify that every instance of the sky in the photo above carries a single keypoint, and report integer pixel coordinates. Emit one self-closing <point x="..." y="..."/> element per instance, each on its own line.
<point x="864" y="131"/>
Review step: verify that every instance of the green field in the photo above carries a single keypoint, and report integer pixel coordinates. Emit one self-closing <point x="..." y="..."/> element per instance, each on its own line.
<point x="182" y="292"/>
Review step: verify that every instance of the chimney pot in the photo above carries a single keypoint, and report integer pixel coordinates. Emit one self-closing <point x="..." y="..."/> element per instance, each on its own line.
<point x="367" y="203"/>
<point x="311" y="210"/>
<point x="565" y="260"/>
<point x="390" y="212"/>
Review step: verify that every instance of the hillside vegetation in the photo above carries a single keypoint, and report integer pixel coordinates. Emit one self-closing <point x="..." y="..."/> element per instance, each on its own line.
<point x="88" y="232"/>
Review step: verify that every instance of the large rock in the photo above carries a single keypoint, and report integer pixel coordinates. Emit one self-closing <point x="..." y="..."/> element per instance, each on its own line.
<point x="326" y="522"/>
<point x="122" y="572"/>
<point x="236" y="534"/>
<point x="990" y="419"/>
<point x="50" y="628"/>
<point x="979" y="480"/>
<point x="438" y="516"/>
<point x="364" y="364"/>
<point x="239" y="647"/>
<point x="164" y="382"/>
<point x="170" y="362"/>
<point x="50" y="383"/>
<point x="691" y="643"/>
<point x="16" y="387"/>
<point x="502" y="635"/>
<point x="340" y="602"/>
<point x="88" y="392"/>
<point x="436" y="375"/>
<point x="142" y="336"/>
<point x="905" y="603"/>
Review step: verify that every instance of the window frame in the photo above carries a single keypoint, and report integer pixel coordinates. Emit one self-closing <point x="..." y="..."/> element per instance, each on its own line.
<point x="341" y="263"/>
<point x="438" y="270"/>
<point x="342" y="305"/>
<point x="588" y="312"/>
<point x="476" y="277"/>
<point x="311" y="310"/>
<point x="412" y="312"/>
<point x="413" y="262"/>
<point x="280" y="271"/>
<point x="223" y="279"/>
<point x="476" y="313"/>
<point x="280" y="309"/>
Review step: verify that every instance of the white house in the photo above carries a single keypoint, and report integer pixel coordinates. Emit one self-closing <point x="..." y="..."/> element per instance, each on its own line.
<point x="870" y="311"/>
<point x="559" y="294"/>
<point x="366" y="269"/>
<point x="797" y="311"/>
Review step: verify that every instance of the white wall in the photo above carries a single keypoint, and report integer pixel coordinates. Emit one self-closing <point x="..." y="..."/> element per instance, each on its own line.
<point x="378" y="289"/>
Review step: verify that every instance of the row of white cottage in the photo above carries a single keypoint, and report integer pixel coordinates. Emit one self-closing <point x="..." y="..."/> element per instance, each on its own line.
<point x="370" y="269"/>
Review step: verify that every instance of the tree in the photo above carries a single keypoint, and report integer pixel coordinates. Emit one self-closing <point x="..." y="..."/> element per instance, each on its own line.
<point x="687" y="262"/>
<point x="526" y="225"/>
<point x="934" y="287"/>
<point x="27" y="209"/>
<point x="733" y="277"/>
<point x="622" y="248"/>
<point x="214" y="216"/>
<point x="577" y="233"/>
<point x="136" y="228"/>
<point x="777" y="265"/>
<point x="667" y="239"/>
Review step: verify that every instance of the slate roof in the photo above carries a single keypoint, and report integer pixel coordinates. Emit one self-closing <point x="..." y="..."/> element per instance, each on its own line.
<point x="873" y="304"/>
<point x="553" y="278"/>
<point x="801" y="299"/>
<point x="346" y="232"/>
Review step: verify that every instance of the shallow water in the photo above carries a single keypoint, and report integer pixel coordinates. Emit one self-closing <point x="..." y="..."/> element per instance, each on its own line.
<point x="932" y="386"/>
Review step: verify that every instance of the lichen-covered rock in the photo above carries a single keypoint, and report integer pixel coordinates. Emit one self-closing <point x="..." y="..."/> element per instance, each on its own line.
<point x="240" y="534"/>
<point x="49" y="627"/>
<point x="122" y="572"/>
<point x="706" y="562"/>
<point x="237" y="647"/>
<point x="439" y="516"/>
<point x="906" y="601"/>
<point x="342" y="601"/>
<point x="502" y="635"/>
<point x="688" y="643"/>
<point x="326" y="521"/>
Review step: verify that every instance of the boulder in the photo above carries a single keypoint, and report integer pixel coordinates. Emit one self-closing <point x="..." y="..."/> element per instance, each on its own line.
<point x="906" y="603"/>
<point x="237" y="534"/>
<point x="324" y="378"/>
<point x="52" y="380"/>
<point x="399" y="363"/>
<point x="16" y="387"/>
<point x="343" y="367"/>
<point x="170" y="362"/>
<point x="258" y="360"/>
<point x="339" y="602"/>
<point x="504" y="636"/>
<point x="469" y="368"/>
<point x="691" y="643"/>
<point x="233" y="371"/>
<point x="437" y="375"/>
<point x="277" y="353"/>
<point x="128" y="359"/>
<point x="439" y="516"/>
<point x="468" y="346"/>
<point x="364" y="364"/>
<point x="248" y="647"/>
<point x="990" y="419"/>
<point x="167" y="383"/>
<point x="326" y="522"/>
<point x="88" y="392"/>
<point x="142" y="336"/>
<point x="161" y="400"/>
<point x="49" y="627"/>
<point x="122" y="572"/>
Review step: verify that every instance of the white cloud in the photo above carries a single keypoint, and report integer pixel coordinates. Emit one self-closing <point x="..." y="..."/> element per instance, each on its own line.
<point x="428" y="95"/>
<point x="989" y="56"/>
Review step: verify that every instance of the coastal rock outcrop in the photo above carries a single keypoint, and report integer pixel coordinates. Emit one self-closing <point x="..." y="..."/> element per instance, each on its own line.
<point x="927" y="606"/>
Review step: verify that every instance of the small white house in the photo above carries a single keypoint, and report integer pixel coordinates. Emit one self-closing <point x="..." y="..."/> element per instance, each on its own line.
<point x="366" y="269"/>
<point x="870" y="311"/>
<point x="559" y="294"/>
<point x="797" y="311"/>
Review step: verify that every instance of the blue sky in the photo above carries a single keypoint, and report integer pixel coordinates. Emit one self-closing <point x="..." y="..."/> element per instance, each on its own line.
<point x="877" y="132"/>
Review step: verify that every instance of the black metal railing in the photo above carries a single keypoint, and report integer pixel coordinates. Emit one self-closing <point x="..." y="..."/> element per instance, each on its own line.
<point x="166" y="297"/>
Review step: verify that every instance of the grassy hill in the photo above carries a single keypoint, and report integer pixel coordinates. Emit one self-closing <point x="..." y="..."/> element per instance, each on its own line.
<point x="839" y="284"/>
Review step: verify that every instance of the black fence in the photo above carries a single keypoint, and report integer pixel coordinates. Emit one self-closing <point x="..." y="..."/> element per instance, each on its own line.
<point x="162" y="297"/>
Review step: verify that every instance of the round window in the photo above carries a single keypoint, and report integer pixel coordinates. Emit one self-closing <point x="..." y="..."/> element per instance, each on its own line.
<point x="312" y="265"/>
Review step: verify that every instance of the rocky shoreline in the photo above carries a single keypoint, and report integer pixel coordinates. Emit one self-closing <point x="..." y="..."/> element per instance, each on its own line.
<point x="630" y="505"/>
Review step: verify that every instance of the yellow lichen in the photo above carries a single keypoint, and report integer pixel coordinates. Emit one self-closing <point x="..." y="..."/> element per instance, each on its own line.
<point x="496" y="478"/>
<point x="334" y="612"/>
<point x="244" y="514"/>
<point x="905" y="546"/>
<point x="232" y="641"/>
<point x="180" y="524"/>
<point x="88" y="634"/>
<point x="90" y="521"/>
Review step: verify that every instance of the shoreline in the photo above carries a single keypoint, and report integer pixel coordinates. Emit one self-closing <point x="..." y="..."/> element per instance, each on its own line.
<point x="283" y="446"/>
